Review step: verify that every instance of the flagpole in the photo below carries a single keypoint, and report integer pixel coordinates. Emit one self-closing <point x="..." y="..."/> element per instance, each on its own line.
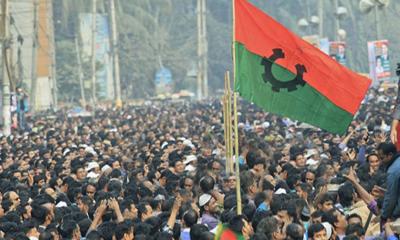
<point x="235" y="115"/>
<point x="229" y="120"/>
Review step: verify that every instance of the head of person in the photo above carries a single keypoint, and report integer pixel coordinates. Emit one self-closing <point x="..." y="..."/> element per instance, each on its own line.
<point x="248" y="183"/>
<point x="124" y="231"/>
<point x="178" y="166"/>
<point x="299" y="160"/>
<point x="208" y="204"/>
<point x="355" y="230"/>
<point x="189" y="218"/>
<point x="196" y="231"/>
<point x="294" y="231"/>
<point x="373" y="161"/>
<point x="303" y="190"/>
<point x="325" y="203"/>
<point x="240" y="225"/>
<point x="336" y="219"/>
<point x="354" y="218"/>
<point x="317" y="232"/>
<point x="386" y="152"/>
<point x="309" y="177"/>
<point x="70" y="230"/>
<point x="272" y="228"/>
<point x="347" y="195"/>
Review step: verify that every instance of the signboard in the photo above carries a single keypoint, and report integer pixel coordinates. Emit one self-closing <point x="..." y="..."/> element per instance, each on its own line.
<point x="163" y="81"/>
<point x="337" y="50"/>
<point x="379" y="61"/>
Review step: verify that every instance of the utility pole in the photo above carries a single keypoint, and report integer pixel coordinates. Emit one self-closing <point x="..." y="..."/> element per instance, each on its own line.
<point x="202" y="80"/>
<point x="53" y="56"/>
<point x="377" y="22"/>
<point x="321" y="18"/>
<point x="6" y="74"/>
<point x="78" y="60"/>
<point x="34" y="54"/>
<point x="205" y="47"/>
<point x="94" y="23"/>
<point x="337" y="23"/>
<point x="118" y="101"/>
<point x="199" y="52"/>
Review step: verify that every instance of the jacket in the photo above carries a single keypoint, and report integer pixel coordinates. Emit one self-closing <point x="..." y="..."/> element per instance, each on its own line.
<point x="391" y="202"/>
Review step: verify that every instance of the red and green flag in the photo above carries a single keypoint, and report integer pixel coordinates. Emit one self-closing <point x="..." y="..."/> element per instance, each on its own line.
<point x="283" y="74"/>
<point x="224" y="233"/>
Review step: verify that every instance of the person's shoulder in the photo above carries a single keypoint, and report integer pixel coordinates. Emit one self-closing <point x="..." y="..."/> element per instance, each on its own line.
<point x="394" y="169"/>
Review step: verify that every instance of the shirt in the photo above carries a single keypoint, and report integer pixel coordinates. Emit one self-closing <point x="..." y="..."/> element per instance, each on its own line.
<point x="209" y="220"/>
<point x="185" y="234"/>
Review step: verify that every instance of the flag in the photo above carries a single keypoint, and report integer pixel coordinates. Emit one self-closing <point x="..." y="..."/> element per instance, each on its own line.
<point x="224" y="233"/>
<point x="283" y="74"/>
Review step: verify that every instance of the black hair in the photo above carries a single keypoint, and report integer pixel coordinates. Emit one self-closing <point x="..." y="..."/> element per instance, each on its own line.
<point x="84" y="225"/>
<point x="67" y="229"/>
<point x="142" y="209"/>
<point x="258" y="216"/>
<point x="268" y="226"/>
<point x="190" y="217"/>
<point x="330" y="217"/>
<point x="345" y="193"/>
<point x="294" y="231"/>
<point x="260" y="198"/>
<point x="387" y="148"/>
<point x="236" y="224"/>
<point x="107" y="230"/>
<point x="207" y="183"/>
<point x="351" y="237"/>
<point x="92" y="235"/>
<point x="247" y="179"/>
<point x="122" y="229"/>
<point x="355" y="229"/>
<point x="313" y="229"/>
<point x="325" y="198"/>
<point x="196" y="230"/>
<point x="353" y="215"/>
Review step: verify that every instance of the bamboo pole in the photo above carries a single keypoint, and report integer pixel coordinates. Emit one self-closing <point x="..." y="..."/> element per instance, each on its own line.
<point x="225" y="113"/>
<point x="229" y="120"/>
<point x="238" y="193"/>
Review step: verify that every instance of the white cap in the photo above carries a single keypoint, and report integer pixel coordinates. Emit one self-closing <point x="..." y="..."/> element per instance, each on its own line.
<point x="328" y="229"/>
<point x="91" y="151"/>
<point x="61" y="204"/>
<point x="190" y="168"/>
<point x="105" y="168"/>
<point x="189" y="159"/>
<point x="187" y="142"/>
<point x="93" y="175"/>
<point x="204" y="199"/>
<point x="312" y="162"/>
<point x="92" y="165"/>
<point x="310" y="152"/>
<point x="280" y="191"/>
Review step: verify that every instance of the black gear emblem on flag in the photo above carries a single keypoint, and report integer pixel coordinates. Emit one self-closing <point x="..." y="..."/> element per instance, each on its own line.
<point x="277" y="84"/>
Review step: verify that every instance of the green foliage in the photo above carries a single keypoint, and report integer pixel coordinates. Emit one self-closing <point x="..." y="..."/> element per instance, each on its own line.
<point x="163" y="32"/>
<point x="67" y="74"/>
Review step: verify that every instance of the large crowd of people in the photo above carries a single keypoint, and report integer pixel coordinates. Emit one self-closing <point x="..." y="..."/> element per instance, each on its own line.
<point x="157" y="171"/>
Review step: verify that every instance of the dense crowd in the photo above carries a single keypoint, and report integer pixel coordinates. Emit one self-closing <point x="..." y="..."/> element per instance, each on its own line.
<point x="158" y="172"/>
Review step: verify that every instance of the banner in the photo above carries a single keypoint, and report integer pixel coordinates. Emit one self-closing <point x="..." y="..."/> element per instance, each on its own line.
<point x="337" y="50"/>
<point x="104" y="70"/>
<point x="379" y="61"/>
<point x="163" y="81"/>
